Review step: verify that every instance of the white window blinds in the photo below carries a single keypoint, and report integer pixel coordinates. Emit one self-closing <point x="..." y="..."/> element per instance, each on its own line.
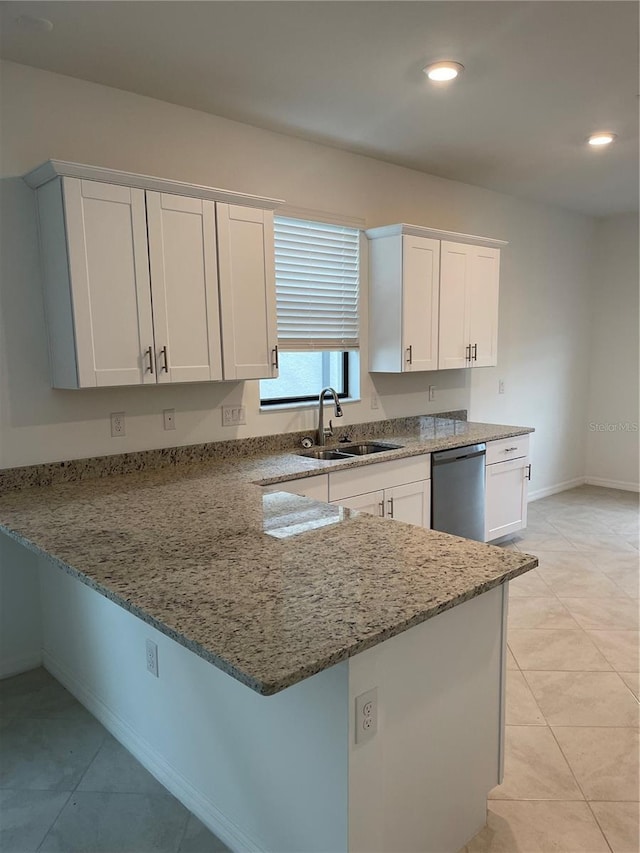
<point x="317" y="276"/>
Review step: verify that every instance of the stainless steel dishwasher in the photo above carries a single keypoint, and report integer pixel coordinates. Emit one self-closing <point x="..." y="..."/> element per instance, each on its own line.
<point x="457" y="491"/>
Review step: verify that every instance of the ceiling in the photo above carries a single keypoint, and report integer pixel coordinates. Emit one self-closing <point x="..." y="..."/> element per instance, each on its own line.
<point x="539" y="77"/>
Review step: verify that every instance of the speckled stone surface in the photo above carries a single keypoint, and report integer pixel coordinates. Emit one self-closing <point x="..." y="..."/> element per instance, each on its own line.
<point x="271" y="588"/>
<point x="75" y="470"/>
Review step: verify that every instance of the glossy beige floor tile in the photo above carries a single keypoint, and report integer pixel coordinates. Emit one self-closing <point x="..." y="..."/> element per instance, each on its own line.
<point x="538" y="827"/>
<point x="511" y="661"/>
<point x="521" y="707"/>
<point x="535" y="612"/>
<point x="579" y="582"/>
<point x="583" y="698"/>
<point x="632" y="680"/>
<point x="624" y="577"/>
<point x="620" y="648"/>
<point x="604" y="613"/>
<point x="535" y="768"/>
<point x="603" y="760"/>
<point x="620" y="823"/>
<point x="529" y="584"/>
<point x="532" y="542"/>
<point x="600" y="542"/>
<point x="556" y="650"/>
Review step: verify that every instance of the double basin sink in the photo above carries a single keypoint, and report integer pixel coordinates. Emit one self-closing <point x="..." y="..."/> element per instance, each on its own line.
<point x="349" y="450"/>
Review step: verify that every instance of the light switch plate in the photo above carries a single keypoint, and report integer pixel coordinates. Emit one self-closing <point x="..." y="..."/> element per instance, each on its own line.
<point x="234" y="415"/>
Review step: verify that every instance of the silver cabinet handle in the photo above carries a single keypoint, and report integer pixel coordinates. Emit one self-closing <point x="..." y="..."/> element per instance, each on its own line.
<point x="165" y="360"/>
<point x="276" y="359"/>
<point x="149" y="354"/>
<point x="467" y="353"/>
<point x="475" y="352"/>
<point x="510" y="449"/>
<point x="529" y="471"/>
<point x="390" y="502"/>
<point x="381" y="508"/>
<point x="410" y="354"/>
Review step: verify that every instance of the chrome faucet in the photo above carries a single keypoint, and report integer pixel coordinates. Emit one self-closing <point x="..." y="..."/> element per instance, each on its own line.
<point x="323" y="431"/>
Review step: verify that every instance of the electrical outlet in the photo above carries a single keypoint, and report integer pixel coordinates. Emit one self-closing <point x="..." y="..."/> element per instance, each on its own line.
<point x="366" y="715"/>
<point x="169" y="416"/>
<point x="432" y="393"/>
<point x="374" y="401"/>
<point x="117" y="424"/>
<point x="152" y="657"/>
<point x="234" y="415"/>
<point x="500" y="386"/>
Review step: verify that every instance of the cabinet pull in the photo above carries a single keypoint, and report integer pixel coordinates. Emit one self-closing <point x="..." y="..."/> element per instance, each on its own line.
<point x="475" y="352"/>
<point x="510" y="449"/>
<point x="467" y="352"/>
<point x="275" y="363"/>
<point x="410" y="354"/>
<point x="381" y="508"/>
<point x="390" y="502"/>
<point x="165" y="360"/>
<point x="529" y="471"/>
<point x="149" y="354"/>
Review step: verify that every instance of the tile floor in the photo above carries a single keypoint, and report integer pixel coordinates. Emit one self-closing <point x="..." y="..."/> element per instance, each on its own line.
<point x="572" y="754"/>
<point x="571" y="769"/>
<point x="67" y="786"/>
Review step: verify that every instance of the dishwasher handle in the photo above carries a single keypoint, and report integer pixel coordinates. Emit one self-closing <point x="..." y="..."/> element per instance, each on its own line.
<point x="442" y="457"/>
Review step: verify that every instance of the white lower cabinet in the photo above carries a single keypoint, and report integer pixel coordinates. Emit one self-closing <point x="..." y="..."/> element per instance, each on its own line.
<point x="400" y="489"/>
<point x="507" y="485"/>
<point x="307" y="487"/>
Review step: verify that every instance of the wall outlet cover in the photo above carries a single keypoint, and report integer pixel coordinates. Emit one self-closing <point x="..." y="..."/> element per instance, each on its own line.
<point x="117" y="424"/>
<point x="169" y="416"/>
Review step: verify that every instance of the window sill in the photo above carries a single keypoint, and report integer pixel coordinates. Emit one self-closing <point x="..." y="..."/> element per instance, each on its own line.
<point x="283" y="407"/>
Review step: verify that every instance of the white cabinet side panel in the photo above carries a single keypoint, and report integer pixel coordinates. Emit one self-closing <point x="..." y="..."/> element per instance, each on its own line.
<point x="57" y="286"/>
<point x="484" y="281"/>
<point x="20" y="617"/>
<point x="421" y="782"/>
<point x="420" y="288"/>
<point x="264" y="773"/>
<point x="182" y="250"/>
<point x="247" y="292"/>
<point x="385" y="305"/>
<point x="454" y="326"/>
<point x="106" y="234"/>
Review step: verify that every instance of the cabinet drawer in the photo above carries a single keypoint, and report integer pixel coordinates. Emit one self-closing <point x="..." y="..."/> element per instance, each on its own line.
<point x="507" y="448"/>
<point x="307" y="487"/>
<point x="378" y="475"/>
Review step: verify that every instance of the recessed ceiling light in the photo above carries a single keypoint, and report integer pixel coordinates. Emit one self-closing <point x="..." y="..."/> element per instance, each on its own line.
<point x="441" y="72"/>
<point x="33" y="24"/>
<point x="603" y="137"/>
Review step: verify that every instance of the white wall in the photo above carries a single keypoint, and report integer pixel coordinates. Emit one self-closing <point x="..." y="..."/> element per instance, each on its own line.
<point x="544" y="286"/>
<point x="612" y="450"/>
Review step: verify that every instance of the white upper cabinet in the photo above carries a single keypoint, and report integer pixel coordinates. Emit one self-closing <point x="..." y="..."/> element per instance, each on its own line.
<point x="133" y="281"/>
<point x="469" y="279"/>
<point x="404" y="303"/>
<point x="184" y="285"/>
<point x="433" y="302"/>
<point x="247" y="292"/>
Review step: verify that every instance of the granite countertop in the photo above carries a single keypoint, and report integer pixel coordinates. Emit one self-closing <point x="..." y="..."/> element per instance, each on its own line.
<point x="270" y="588"/>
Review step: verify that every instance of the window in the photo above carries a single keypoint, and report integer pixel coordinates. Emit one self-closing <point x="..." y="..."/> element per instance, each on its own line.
<point x="317" y="278"/>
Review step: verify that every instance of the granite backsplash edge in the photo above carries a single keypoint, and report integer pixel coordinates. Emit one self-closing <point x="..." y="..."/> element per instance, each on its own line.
<point x="74" y="470"/>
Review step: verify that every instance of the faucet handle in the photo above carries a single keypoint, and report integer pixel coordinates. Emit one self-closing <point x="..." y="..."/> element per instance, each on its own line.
<point x="329" y="430"/>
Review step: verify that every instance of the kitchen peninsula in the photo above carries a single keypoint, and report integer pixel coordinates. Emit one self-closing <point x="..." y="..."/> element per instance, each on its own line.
<point x="312" y="604"/>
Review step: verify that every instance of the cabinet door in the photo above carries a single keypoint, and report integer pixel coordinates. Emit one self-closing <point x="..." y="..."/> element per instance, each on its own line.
<point x="371" y="503"/>
<point x="109" y="275"/>
<point x="182" y="250"/>
<point x="455" y="270"/>
<point x="247" y="292"/>
<point x="482" y="299"/>
<point x="316" y="487"/>
<point x="410" y="503"/>
<point x="420" y="299"/>
<point x="506" y="498"/>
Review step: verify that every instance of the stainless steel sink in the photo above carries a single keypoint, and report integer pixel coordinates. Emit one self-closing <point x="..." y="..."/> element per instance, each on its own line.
<point x="326" y="455"/>
<point x="368" y="447"/>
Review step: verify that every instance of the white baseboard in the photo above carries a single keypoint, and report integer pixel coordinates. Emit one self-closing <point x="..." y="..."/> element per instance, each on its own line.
<point x="156" y="764"/>
<point x="15" y="666"/>
<point x="624" y="485"/>
<point x="558" y="487"/>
